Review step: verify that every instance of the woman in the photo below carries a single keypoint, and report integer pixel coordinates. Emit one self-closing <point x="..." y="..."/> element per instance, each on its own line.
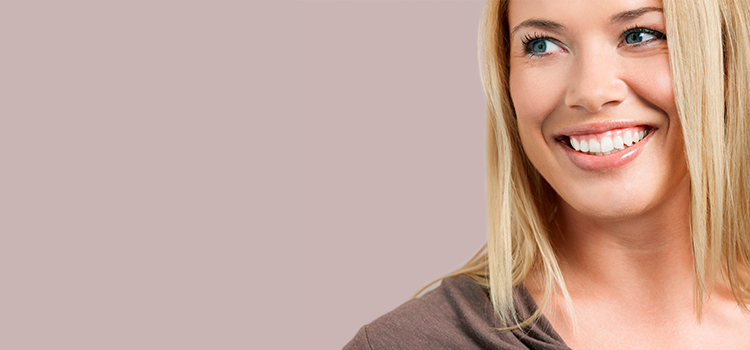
<point x="617" y="138"/>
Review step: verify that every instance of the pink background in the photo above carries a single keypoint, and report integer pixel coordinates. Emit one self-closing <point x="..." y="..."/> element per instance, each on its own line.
<point x="232" y="174"/>
<point x="388" y="130"/>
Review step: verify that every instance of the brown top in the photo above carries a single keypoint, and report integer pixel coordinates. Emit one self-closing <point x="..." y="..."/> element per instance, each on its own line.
<point x="456" y="315"/>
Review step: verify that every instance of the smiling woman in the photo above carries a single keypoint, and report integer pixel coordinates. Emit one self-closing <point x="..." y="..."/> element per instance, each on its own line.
<point x="618" y="133"/>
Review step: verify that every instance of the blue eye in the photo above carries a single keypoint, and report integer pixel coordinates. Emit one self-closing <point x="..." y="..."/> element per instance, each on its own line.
<point x="634" y="38"/>
<point x="642" y="35"/>
<point x="538" y="46"/>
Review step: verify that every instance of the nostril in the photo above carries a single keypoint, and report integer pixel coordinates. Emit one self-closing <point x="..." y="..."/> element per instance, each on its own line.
<point x="596" y="92"/>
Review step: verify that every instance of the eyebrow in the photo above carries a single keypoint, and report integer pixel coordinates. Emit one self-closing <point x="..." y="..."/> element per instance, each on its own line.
<point x="633" y="14"/>
<point x="554" y="26"/>
<point x="539" y="23"/>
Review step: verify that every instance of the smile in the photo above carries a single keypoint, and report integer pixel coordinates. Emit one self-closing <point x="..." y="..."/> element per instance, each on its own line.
<point x="608" y="142"/>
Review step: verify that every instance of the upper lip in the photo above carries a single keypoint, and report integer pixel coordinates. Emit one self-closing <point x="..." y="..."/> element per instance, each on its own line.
<point x="599" y="127"/>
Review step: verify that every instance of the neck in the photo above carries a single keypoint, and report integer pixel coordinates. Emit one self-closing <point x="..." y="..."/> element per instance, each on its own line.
<point x="645" y="256"/>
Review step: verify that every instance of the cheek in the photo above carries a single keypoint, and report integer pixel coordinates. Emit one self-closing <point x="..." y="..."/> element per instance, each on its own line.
<point x="536" y="94"/>
<point x="521" y="93"/>
<point x="532" y="94"/>
<point x="654" y="83"/>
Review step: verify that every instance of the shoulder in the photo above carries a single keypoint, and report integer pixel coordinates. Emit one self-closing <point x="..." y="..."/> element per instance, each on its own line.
<point x="455" y="315"/>
<point x="436" y="320"/>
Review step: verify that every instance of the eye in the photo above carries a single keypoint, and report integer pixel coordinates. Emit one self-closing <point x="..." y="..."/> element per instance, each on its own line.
<point x="636" y="37"/>
<point x="642" y="35"/>
<point x="537" y="46"/>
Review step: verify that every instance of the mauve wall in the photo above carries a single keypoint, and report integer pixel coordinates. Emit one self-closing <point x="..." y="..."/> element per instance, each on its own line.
<point x="127" y="174"/>
<point x="387" y="137"/>
<point x="231" y="174"/>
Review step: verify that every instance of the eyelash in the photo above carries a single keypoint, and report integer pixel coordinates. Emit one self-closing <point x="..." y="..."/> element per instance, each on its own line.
<point x="638" y="29"/>
<point x="526" y="40"/>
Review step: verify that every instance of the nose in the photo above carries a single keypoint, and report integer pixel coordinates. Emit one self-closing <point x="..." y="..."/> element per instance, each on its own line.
<point x="595" y="82"/>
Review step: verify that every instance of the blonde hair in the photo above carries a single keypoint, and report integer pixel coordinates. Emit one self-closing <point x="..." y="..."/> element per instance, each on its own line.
<point x="710" y="65"/>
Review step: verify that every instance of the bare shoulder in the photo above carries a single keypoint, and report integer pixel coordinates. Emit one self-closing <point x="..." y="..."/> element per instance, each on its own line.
<point x="724" y="325"/>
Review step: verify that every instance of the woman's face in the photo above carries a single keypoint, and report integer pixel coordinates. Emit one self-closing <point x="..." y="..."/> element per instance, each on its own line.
<point x="592" y="91"/>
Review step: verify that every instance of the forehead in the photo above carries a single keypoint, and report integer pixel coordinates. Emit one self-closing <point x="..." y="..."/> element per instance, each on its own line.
<point x="584" y="12"/>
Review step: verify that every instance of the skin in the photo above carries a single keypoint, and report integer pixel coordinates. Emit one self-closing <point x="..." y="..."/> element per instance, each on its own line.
<point x="622" y="234"/>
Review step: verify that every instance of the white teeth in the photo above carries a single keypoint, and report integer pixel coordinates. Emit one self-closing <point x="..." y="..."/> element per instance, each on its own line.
<point x="618" y="144"/>
<point x="594" y="146"/>
<point x="627" y="138"/>
<point x="608" y="145"/>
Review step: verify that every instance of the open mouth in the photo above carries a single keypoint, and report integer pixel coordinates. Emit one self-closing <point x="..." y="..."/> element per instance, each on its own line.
<point x="608" y="142"/>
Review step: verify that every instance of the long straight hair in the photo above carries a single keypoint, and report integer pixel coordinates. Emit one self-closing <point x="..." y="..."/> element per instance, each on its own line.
<point x="709" y="55"/>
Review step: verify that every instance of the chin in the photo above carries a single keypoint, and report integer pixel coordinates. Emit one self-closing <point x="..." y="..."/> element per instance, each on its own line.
<point x="619" y="200"/>
<point x="608" y="212"/>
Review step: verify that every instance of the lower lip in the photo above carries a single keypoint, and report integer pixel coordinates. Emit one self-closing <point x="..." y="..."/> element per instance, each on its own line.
<point x="609" y="162"/>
